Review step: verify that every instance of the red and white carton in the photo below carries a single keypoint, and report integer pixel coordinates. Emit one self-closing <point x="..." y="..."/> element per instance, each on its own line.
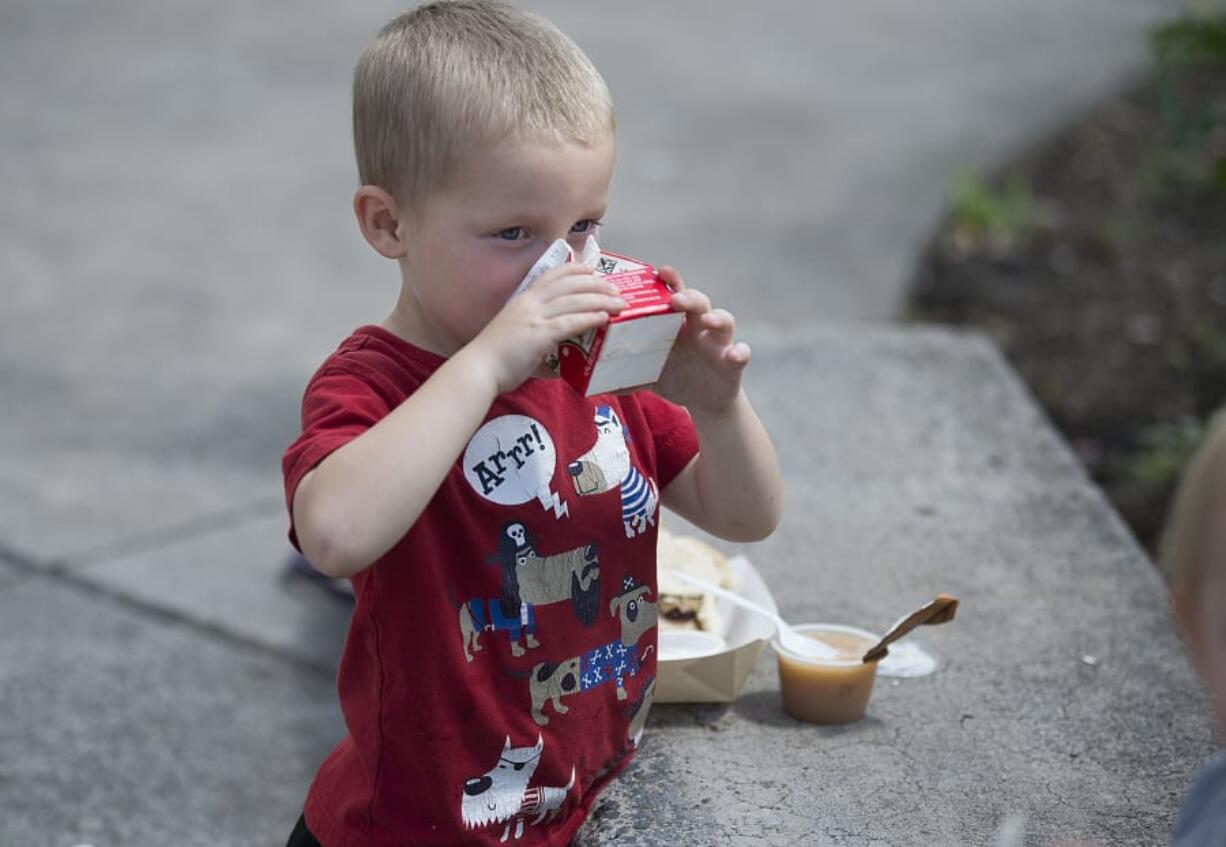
<point x="630" y="350"/>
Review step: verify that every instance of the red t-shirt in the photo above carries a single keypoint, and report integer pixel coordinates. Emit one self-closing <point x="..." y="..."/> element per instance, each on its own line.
<point x="501" y="657"/>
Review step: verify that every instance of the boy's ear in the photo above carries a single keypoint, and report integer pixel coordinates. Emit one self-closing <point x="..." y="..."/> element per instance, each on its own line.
<point x="380" y="220"/>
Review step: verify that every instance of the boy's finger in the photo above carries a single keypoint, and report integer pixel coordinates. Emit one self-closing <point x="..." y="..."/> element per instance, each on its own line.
<point x="719" y="319"/>
<point x="738" y="354"/>
<point x="584" y="302"/>
<point x="671" y="278"/>
<point x="691" y="300"/>
<point x="718" y="326"/>
<point x="577" y="323"/>
<point x="582" y="281"/>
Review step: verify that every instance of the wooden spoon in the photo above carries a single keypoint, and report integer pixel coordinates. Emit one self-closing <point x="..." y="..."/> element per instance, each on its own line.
<point x="940" y="610"/>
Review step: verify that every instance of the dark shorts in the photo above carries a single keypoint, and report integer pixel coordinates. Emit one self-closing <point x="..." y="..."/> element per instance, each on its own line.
<point x="301" y="836"/>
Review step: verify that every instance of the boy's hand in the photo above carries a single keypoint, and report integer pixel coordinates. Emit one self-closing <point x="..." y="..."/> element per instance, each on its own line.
<point x="563" y="303"/>
<point x="703" y="372"/>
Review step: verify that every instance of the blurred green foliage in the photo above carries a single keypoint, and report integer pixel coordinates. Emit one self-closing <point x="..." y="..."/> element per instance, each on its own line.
<point x="1207" y="342"/>
<point x="1193" y="40"/>
<point x="1195" y="130"/>
<point x="1165" y="448"/>
<point x="998" y="215"/>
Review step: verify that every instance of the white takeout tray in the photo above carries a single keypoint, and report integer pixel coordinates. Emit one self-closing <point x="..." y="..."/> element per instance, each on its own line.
<point x="719" y="677"/>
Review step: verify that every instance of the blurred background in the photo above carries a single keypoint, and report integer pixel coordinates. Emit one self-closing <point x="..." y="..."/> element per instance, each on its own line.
<point x="177" y="251"/>
<point x="1096" y="259"/>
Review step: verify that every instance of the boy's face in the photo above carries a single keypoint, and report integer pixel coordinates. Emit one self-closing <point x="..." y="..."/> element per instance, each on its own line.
<point x="468" y="246"/>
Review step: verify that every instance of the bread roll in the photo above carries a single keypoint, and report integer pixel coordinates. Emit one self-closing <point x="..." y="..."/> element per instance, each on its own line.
<point x="683" y="606"/>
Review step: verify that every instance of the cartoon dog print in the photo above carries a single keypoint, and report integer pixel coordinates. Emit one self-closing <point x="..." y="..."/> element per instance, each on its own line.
<point x="530" y="580"/>
<point x="549" y="682"/>
<point x="479" y="615"/>
<point x="607" y="465"/>
<point x="536" y="579"/>
<point x="637" y="613"/>
<point x="639" y="710"/>
<point x="501" y="795"/>
<point x="637" y="616"/>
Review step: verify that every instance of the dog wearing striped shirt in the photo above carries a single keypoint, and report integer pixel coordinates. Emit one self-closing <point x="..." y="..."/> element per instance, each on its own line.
<point x="501" y="795"/>
<point x="607" y="466"/>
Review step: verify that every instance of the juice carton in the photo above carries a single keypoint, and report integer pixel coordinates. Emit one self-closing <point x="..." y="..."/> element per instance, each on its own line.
<point x="630" y="350"/>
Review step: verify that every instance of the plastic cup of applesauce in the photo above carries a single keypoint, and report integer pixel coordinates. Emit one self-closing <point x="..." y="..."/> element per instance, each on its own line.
<point x="827" y="691"/>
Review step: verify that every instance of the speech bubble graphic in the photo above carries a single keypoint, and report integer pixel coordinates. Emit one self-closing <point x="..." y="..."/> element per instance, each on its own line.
<point x="511" y="460"/>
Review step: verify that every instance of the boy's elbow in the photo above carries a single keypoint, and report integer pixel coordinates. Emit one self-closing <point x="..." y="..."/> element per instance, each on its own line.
<point x="329" y="558"/>
<point x="769" y="525"/>
<point x="324" y="547"/>
<point x="746" y="529"/>
<point x="757" y="532"/>
<point x="767" y="519"/>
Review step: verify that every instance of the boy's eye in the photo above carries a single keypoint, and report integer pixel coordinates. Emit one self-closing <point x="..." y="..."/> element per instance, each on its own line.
<point x="584" y="227"/>
<point x="511" y="233"/>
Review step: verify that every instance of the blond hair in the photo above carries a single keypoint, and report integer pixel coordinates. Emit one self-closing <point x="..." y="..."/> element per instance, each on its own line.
<point x="448" y="78"/>
<point x="1198" y="511"/>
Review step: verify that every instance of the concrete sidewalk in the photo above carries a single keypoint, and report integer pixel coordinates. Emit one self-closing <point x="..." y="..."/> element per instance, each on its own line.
<point x="184" y="695"/>
<point x="178" y="254"/>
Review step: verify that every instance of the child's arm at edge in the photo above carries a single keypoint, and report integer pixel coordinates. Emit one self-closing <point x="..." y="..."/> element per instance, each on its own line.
<point x="732" y="488"/>
<point x="359" y="501"/>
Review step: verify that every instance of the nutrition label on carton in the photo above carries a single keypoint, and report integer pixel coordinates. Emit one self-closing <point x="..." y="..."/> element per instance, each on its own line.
<point x="642" y="291"/>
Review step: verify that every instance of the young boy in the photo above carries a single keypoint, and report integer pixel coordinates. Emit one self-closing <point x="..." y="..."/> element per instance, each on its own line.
<point x="1194" y="560"/>
<point x="501" y="655"/>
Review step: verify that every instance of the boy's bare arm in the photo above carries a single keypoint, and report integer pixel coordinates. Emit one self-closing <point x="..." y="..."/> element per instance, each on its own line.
<point x="732" y="488"/>
<point x="360" y="500"/>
